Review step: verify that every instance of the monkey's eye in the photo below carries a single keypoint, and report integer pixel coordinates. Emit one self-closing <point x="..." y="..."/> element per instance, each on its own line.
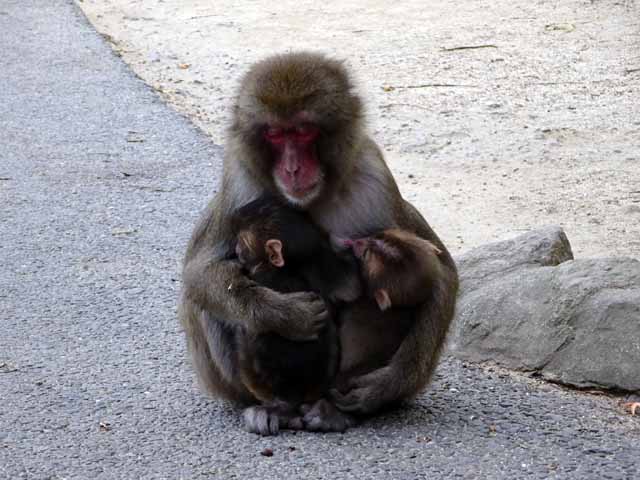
<point x="274" y="134"/>
<point x="306" y="132"/>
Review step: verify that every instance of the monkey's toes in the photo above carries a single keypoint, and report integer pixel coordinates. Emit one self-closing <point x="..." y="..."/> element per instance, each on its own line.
<point x="305" y="408"/>
<point x="324" y="417"/>
<point x="337" y="422"/>
<point x="631" y="407"/>
<point x="261" y="420"/>
<point x="296" y="423"/>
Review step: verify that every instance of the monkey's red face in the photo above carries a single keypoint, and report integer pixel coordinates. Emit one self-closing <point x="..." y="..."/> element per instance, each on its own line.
<point x="296" y="169"/>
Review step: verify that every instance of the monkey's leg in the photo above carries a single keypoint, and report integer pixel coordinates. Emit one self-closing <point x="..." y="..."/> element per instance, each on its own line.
<point x="271" y="417"/>
<point x="323" y="416"/>
<point x="368" y="393"/>
<point x="213" y="348"/>
<point x="412" y="365"/>
<point x="631" y="406"/>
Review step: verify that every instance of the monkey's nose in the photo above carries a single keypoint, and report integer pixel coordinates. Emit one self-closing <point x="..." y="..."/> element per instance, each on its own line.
<point x="358" y="247"/>
<point x="291" y="164"/>
<point x="291" y="170"/>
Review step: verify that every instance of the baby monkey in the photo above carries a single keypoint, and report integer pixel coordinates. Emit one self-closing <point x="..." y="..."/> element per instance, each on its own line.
<point x="398" y="267"/>
<point x="399" y="270"/>
<point x="282" y="249"/>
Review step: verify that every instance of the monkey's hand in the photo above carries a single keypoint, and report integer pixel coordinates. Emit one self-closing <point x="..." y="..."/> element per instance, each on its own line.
<point x="296" y="316"/>
<point x="323" y="416"/>
<point x="367" y="393"/>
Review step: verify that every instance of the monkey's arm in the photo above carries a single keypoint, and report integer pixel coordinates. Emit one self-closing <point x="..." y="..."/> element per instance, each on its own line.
<point x="216" y="284"/>
<point x="219" y="286"/>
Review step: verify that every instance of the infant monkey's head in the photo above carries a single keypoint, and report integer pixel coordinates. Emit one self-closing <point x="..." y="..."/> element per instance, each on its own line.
<point x="399" y="268"/>
<point x="267" y="232"/>
<point x="255" y="249"/>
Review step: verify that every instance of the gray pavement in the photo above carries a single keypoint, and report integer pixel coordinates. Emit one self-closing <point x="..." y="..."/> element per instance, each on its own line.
<point x="100" y="185"/>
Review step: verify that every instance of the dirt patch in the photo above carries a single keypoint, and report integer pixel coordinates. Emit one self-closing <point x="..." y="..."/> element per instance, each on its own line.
<point x="537" y="123"/>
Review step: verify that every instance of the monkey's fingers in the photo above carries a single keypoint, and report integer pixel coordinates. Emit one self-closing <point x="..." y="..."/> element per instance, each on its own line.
<point x="381" y="376"/>
<point x="325" y="417"/>
<point x="310" y="301"/>
<point x="367" y="392"/>
<point x="310" y="312"/>
<point x="295" y="423"/>
<point x="296" y="316"/>
<point x="320" y="314"/>
<point x="318" y="308"/>
<point x="274" y="423"/>
<point x="351" y="402"/>
<point x="631" y="407"/>
<point x="305" y="296"/>
<point x="338" y="422"/>
<point x="260" y="420"/>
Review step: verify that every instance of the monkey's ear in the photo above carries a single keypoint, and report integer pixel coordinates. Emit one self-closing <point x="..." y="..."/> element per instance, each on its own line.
<point x="435" y="249"/>
<point x="273" y="248"/>
<point x="382" y="298"/>
<point x="430" y="247"/>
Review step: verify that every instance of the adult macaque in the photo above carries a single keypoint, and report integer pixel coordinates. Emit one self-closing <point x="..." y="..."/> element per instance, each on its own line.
<point x="282" y="249"/>
<point x="298" y="133"/>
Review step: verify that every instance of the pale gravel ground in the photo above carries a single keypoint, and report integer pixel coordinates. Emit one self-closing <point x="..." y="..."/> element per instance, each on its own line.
<point x="544" y="128"/>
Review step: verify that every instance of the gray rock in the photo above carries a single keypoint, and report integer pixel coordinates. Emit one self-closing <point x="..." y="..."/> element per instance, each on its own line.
<point x="544" y="247"/>
<point x="525" y="304"/>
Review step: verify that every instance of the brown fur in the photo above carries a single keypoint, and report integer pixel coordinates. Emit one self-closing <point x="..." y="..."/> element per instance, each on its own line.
<point x="403" y="264"/>
<point x="283" y="88"/>
<point x="407" y="268"/>
<point x="359" y="197"/>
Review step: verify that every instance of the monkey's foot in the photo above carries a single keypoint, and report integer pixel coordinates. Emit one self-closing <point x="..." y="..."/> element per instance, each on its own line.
<point x="367" y="393"/>
<point x="631" y="407"/>
<point x="323" y="416"/>
<point x="270" y="419"/>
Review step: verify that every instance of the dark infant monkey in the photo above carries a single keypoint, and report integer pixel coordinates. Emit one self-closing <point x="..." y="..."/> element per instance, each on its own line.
<point x="298" y="132"/>
<point x="280" y="248"/>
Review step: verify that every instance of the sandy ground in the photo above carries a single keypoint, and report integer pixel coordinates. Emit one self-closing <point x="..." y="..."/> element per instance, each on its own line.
<point x="538" y="124"/>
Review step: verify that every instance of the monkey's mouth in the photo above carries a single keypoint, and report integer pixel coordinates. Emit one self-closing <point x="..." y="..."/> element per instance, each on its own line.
<point x="358" y="246"/>
<point x="302" y="191"/>
<point x="298" y="192"/>
<point x="303" y="196"/>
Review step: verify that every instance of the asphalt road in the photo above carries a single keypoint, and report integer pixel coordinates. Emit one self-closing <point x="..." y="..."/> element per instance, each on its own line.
<point x="100" y="185"/>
